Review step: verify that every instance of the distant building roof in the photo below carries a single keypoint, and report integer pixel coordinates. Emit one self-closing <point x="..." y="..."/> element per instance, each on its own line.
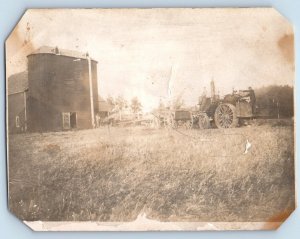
<point x="17" y="83"/>
<point x="104" y="106"/>
<point x="59" y="51"/>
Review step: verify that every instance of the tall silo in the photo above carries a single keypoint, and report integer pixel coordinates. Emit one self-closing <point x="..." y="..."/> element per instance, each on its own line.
<point x="63" y="89"/>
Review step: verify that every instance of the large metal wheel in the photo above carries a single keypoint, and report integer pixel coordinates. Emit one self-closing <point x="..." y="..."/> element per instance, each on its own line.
<point x="203" y="121"/>
<point x="225" y="116"/>
<point x="189" y="124"/>
<point x="170" y="122"/>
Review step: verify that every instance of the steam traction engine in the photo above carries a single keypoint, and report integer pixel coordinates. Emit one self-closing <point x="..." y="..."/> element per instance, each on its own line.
<point x="226" y="112"/>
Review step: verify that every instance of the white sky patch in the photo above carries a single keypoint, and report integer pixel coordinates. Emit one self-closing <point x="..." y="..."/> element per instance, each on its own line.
<point x="139" y="51"/>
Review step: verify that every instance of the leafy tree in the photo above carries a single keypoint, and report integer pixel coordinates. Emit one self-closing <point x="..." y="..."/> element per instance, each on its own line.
<point x="110" y="100"/>
<point x="279" y="100"/>
<point x="136" y="105"/>
<point x="121" y="102"/>
<point x="120" y="105"/>
<point x="178" y="103"/>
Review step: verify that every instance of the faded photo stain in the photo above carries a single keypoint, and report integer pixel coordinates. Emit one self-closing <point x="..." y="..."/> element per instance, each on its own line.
<point x="19" y="40"/>
<point x="17" y="47"/>
<point x="286" y="46"/>
<point x="277" y="218"/>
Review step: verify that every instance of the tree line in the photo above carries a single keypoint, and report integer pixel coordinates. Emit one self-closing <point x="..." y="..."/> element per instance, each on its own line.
<point x="278" y="99"/>
<point x="120" y="103"/>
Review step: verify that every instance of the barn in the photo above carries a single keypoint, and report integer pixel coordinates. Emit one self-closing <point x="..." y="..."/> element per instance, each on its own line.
<point x="17" y="97"/>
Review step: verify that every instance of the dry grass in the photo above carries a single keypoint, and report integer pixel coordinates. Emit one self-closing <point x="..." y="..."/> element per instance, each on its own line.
<point x="192" y="175"/>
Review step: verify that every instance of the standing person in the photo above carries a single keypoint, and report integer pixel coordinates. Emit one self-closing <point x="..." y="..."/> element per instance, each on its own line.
<point x="98" y="118"/>
<point x="252" y="99"/>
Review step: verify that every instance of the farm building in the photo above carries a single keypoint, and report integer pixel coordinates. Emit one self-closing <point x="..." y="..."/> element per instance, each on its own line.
<point x="62" y="91"/>
<point x="17" y="96"/>
<point x="104" y="108"/>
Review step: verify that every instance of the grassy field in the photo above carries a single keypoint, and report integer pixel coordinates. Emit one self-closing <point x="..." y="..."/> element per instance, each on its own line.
<point x="114" y="174"/>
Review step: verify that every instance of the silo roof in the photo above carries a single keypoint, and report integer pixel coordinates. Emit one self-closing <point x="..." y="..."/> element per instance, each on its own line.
<point x="61" y="52"/>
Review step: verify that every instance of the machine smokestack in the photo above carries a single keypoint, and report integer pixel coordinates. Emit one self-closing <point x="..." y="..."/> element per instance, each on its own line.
<point x="213" y="91"/>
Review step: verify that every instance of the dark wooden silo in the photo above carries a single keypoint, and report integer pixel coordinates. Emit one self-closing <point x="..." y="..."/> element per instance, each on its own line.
<point x="59" y="90"/>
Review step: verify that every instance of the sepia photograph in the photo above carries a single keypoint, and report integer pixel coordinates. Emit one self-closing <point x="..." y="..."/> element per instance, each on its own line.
<point x="151" y="119"/>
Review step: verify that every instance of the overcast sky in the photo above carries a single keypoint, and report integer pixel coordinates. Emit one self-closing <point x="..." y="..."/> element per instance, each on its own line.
<point x="163" y="53"/>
